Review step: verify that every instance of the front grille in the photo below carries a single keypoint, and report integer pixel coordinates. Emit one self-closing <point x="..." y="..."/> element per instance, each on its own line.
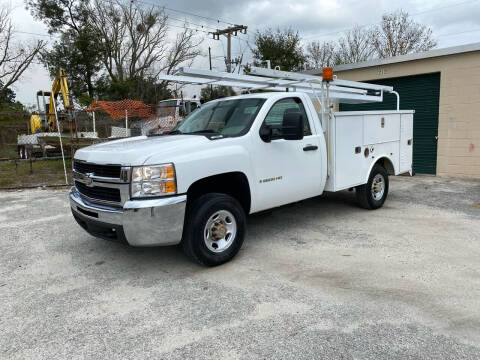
<point x="99" y="192"/>
<point x="111" y="171"/>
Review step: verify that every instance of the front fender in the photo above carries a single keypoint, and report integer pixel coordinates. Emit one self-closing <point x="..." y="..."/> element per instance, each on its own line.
<point x="192" y="167"/>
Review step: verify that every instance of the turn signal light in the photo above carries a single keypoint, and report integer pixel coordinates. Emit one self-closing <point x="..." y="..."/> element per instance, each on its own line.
<point x="169" y="187"/>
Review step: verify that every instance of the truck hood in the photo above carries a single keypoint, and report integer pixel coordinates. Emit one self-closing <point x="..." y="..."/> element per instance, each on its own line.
<point x="137" y="150"/>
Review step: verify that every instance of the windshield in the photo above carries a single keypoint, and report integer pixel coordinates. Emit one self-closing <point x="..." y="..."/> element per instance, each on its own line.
<point x="166" y="108"/>
<point x="226" y="117"/>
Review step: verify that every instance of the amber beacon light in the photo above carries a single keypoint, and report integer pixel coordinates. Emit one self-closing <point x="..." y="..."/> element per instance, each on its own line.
<point x="327" y="74"/>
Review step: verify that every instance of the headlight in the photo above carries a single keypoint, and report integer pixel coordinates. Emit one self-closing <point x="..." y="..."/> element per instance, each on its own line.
<point x="157" y="180"/>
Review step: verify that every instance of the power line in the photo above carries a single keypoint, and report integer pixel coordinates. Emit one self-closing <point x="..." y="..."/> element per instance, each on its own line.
<point x="169" y="17"/>
<point x="191" y="23"/>
<point x="31" y="33"/>
<point x="189" y="28"/>
<point x="188" y="24"/>
<point x="19" y="62"/>
<point x="458" y="33"/>
<point x="173" y="18"/>
<point x="218" y="21"/>
<point x="169" y="24"/>
<point x="378" y="22"/>
<point x="443" y="7"/>
<point x="199" y="16"/>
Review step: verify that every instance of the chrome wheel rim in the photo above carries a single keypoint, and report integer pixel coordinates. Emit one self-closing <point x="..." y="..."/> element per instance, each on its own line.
<point x="220" y="231"/>
<point x="378" y="187"/>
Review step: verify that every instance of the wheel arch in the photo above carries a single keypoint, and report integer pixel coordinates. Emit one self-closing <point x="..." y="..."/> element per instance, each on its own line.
<point x="234" y="184"/>
<point x="386" y="163"/>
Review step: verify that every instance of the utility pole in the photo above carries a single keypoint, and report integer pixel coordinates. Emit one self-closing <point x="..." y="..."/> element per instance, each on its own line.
<point x="210" y="57"/>
<point x="228" y="32"/>
<point x="210" y="61"/>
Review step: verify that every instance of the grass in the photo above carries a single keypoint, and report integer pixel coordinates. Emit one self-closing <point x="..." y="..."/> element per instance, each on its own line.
<point x="9" y="152"/>
<point x="42" y="172"/>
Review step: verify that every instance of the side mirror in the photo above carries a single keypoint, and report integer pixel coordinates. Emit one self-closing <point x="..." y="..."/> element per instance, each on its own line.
<point x="292" y="126"/>
<point x="266" y="133"/>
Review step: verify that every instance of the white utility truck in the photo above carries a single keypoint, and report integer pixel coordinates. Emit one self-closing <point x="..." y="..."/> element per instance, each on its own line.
<point x="237" y="156"/>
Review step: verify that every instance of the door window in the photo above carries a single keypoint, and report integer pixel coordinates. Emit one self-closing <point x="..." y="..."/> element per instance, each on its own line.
<point x="166" y="108"/>
<point x="193" y="106"/>
<point x="274" y="117"/>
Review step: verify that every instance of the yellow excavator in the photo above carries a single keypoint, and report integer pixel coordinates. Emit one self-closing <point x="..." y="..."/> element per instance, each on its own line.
<point x="59" y="87"/>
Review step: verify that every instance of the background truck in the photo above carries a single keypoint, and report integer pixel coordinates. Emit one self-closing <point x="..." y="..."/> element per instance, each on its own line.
<point x="168" y="114"/>
<point x="237" y="156"/>
<point x="172" y="111"/>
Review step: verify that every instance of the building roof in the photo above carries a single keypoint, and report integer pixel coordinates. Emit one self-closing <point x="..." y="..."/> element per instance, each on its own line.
<point x="404" y="58"/>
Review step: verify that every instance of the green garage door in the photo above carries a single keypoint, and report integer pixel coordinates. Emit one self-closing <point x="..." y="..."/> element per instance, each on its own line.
<point x="420" y="93"/>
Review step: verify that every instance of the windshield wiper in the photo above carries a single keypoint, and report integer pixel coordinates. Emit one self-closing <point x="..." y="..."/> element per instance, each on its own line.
<point x="174" y="132"/>
<point x="206" y="131"/>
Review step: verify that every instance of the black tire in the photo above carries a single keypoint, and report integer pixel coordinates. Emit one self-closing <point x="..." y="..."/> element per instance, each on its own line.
<point x="198" y="214"/>
<point x="364" y="194"/>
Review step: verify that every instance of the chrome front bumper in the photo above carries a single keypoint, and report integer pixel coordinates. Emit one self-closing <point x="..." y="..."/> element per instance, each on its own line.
<point x="155" y="222"/>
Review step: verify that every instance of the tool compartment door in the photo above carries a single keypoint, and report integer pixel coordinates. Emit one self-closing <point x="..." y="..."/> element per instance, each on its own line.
<point x="349" y="162"/>
<point x="406" y="143"/>
<point x="381" y="128"/>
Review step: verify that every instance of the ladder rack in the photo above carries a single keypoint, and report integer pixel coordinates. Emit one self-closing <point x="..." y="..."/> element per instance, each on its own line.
<point x="342" y="91"/>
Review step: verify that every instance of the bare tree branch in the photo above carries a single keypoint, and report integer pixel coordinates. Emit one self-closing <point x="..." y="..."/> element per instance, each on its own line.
<point x="184" y="50"/>
<point x="320" y="54"/>
<point x="399" y="35"/>
<point x="16" y="57"/>
<point x="355" y="46"/>
<point x="135" y="40"/>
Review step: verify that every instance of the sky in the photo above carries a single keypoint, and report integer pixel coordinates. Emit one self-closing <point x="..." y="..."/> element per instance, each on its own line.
<point x="453" y="22"/>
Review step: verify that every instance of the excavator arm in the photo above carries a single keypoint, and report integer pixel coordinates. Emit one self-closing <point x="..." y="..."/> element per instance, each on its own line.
<point x="59" y="86"/>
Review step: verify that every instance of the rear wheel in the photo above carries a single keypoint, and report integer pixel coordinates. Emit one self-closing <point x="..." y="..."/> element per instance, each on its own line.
<point x="214" y="229"/>
<point x="373" y="194"/>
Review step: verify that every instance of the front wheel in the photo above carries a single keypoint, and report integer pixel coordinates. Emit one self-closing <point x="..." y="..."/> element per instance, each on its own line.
<point x="215" y="229"/>
<point x="373" y="194"/>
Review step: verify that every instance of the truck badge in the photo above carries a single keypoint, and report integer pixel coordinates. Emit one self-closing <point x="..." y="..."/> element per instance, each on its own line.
<point x="88" y="179"/>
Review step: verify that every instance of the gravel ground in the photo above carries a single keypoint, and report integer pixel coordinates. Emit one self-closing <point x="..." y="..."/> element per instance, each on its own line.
<point x="318" y="279"/>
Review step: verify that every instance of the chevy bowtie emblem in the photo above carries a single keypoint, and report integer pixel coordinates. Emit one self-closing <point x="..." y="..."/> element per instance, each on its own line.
<point x="88" y="179"/>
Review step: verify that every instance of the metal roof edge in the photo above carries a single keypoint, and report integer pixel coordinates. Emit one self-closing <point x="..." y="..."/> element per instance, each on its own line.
<point x="404" y="58"/>
<point x="373" y="112"/>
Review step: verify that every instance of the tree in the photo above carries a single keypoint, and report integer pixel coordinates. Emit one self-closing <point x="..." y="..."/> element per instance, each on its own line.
<point x="78" y="55"/>
<point x="77" y="50"/>
<point x="7" y="96"/>
<point x="15" y="57"/>
<point x="126" y="41"/>
<point x="355" y="46"/>
<point x="135" y="47"/>
<point x="215" y="92"/>
<point x="320" y="54"/>
<point x="151" y="92"/>
<point x="399" y="35"/>
<point x="281" y="47"/>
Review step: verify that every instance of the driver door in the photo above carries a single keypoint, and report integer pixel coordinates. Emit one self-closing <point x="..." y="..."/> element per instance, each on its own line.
<point x="286" y="170"/>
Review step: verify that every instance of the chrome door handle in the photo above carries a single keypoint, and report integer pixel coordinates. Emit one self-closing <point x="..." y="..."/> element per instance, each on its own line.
<point x="310" y="148"/>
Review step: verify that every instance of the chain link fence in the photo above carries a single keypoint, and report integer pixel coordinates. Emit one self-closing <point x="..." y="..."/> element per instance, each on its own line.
<point x="30" y="159"/>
